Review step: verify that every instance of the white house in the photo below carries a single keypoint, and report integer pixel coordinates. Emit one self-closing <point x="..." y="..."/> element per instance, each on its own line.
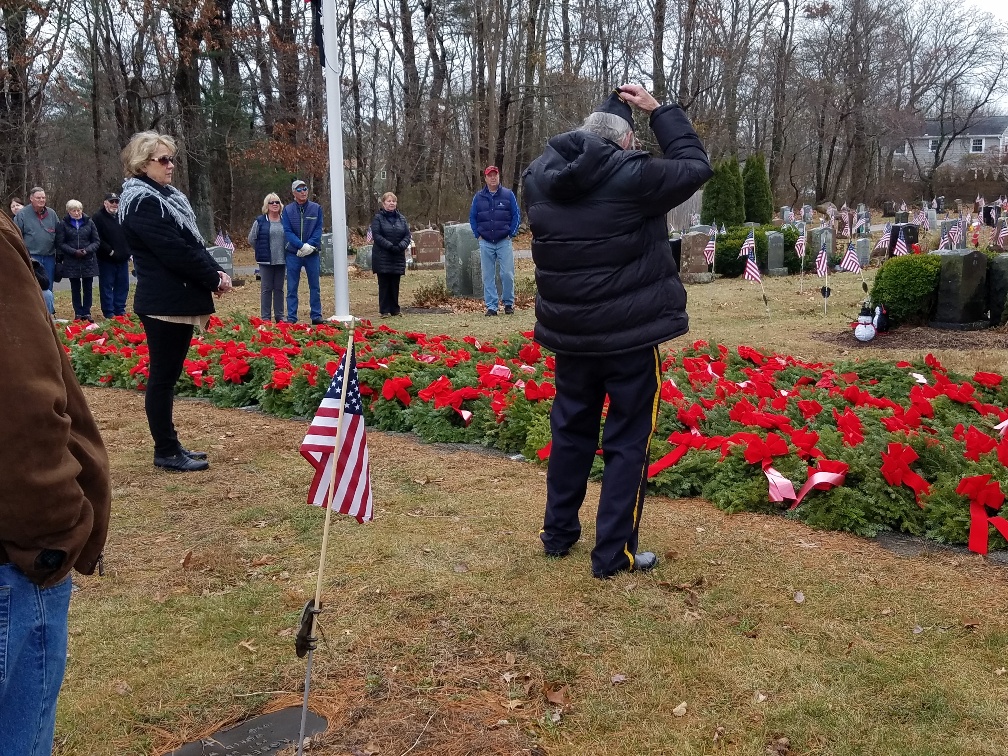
<point x="985" y="139"/>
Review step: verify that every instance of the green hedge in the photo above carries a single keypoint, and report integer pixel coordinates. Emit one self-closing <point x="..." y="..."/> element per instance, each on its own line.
<point x="728" y="263"/>
<point x="908" y="287"/>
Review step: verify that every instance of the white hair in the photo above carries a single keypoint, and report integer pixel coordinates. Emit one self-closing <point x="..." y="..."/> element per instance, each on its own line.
<point x="606" y="125"/>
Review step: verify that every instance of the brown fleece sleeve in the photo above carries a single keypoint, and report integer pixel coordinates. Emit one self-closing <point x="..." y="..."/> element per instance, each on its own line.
<point x="54" y="472"/>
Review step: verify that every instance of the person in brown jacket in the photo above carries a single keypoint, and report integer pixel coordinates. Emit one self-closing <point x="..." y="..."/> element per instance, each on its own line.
<point x="54" y="503"/>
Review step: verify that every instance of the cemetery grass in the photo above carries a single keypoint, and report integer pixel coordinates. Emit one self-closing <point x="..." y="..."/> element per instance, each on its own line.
<point x="446" y="627"/>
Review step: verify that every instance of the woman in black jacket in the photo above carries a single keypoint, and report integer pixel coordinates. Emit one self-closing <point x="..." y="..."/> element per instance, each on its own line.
<point x="391" y="239"/>
<point x="176" y="277"/>
<point x="80" y="265"/>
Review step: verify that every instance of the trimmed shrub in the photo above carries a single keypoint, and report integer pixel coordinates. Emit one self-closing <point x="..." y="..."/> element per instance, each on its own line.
<point x="723" y="200"/>
<point x="758" y="197"/>
<point x="728" y="263"/>
<point x="908" y="287"/>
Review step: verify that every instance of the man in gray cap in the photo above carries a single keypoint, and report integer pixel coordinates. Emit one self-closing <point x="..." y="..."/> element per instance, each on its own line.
<point x="608" y="294"/>
<point x="113" y="258"/>
<point x="302" y="224"/>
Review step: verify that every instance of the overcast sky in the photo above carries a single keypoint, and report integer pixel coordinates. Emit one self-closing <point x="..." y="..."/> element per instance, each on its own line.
<point x="998" y="7"/>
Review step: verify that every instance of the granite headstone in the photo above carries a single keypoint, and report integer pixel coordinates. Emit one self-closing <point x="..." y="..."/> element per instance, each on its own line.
<point x="962" y="289"/>
<point x="997" y="287"/>
<point x="460" y="249"/>
<point x="864" y="250"/>
<point x="775" y="254"/>
<point x="694" y="268"/>
<point x="223" y="257"/>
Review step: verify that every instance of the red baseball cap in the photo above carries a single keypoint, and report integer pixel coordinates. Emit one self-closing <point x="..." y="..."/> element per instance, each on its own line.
<point x="490" y="169"/>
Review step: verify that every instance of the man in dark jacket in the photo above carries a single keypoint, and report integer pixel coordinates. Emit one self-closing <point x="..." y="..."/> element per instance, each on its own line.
<point x="302" y="224"/>
<point x="54" y="504"/>
<point x="608" y="294"/>
<point x="494" y="219"/>
<point x="113" y="258"/>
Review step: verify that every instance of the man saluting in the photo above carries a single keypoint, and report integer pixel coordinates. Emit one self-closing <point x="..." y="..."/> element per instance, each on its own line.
<point x="608" y="294"/>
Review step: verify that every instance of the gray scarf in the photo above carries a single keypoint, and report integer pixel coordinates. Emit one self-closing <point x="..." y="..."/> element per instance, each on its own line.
<point x="176" y="204"/>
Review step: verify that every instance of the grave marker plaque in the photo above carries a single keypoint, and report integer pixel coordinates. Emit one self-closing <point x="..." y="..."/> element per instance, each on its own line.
<point x="260" y="736"/>
<point x="962" y="289"/>
<point x="460" y="249"/>
<point x="223" y="257"/>
<point x="997" y="287"/>
<point x="775" y="254"/>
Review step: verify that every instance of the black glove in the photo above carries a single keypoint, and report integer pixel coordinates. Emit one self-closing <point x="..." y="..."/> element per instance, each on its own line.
<point x="404" y="245"/>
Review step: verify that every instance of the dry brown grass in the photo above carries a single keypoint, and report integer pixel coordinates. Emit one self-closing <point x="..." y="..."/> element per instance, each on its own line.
<point x="444" y="625"/>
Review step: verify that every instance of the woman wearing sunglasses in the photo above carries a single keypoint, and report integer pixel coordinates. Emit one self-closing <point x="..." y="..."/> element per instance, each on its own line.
<point x="176" y="277"/>
<point x="267" y="239"/>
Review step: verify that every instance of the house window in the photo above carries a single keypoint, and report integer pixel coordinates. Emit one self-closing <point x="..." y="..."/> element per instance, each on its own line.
<point x="933" y="145"/>
<point x="901" y="150"/>
<point x="383" y="175"/>
<point x="977" y="145"/>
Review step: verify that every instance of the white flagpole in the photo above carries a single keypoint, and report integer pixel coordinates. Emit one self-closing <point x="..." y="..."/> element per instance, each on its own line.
<point x="325" y="534"/>
<point x="337" y="190"/>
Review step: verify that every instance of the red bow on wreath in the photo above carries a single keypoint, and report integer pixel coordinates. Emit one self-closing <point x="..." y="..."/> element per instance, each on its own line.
<point x="983" y="494"/>
<point x="896" y="470"/>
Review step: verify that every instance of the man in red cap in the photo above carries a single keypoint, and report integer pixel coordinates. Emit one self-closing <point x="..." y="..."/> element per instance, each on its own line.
<point x="494" y="218"/>
<point x="608" y="293"/>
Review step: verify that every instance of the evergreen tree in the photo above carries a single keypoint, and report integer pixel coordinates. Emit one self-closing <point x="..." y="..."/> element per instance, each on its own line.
<point x="758" y="197"/>
<point x="723" y="200"/>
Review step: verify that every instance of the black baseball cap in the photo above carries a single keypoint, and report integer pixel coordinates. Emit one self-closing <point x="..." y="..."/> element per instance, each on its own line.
<point x="111" y="197"/>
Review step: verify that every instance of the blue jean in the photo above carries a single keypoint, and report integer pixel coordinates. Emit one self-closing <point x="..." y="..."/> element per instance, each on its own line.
<point x="33" y="654"/>
<point x="49" y="263"/>
<point x="81" y="294"/>
<point x="113" y="287"/>
<point x="50" y="301"/>
<point x="493" y="254"/>
<point x="311" y="265"/>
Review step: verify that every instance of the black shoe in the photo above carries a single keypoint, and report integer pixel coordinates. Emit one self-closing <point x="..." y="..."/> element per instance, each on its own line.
<point x="317" y="321"/>
<point x="508" y="310"/>
<point x="556" y="554"/>
<point x="491" y="313"/>
<point x="181" y="463"/>
<point x="645" y="561"/>
<point x="192" y="454"/>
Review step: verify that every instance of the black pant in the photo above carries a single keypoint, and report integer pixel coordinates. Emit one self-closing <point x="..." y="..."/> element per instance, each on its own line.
<point x="388" y="293"/>
<point x="168" y="345"/>
<point x="632" y="382"/>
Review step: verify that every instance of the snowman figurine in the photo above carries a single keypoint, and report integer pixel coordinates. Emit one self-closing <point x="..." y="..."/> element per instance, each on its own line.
<point x="865" y="328"/>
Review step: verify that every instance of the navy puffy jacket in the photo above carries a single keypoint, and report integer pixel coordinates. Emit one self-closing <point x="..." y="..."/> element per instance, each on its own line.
<point x="605" y="276"/>
<point x="494" y="216"/>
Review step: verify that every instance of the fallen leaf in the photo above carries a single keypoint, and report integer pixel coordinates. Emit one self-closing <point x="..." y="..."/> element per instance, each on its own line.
<point x="184" y="561"/>
<point x="509" y="658"/>
<point x="799" y="597"/>
<point x="262" y="561"/>
<point x="513" y="704"/>
<point x="970" y="624"/>
<point x="371" y="749"/>
<point x="509" y="676"/>
<point x="247" y="645"/>
<point x="233" y="495"/>
<point x="671" y="555"/>
<point x="760" y="696"/>
<point x="680" y="710"/>
<point x="461" y="567"/>
<point x="779" y="746"/>
<point x="917" y="630"/>
<point x="554" y="716"/>
<point x="1000" y="671"/>
<point x="557" y="695"/>
<point x="122" y="688"/>
<point x="285" y="633"/>
<point x="618" y="679"/>
<point x="719" y="734"/>
<point x="803" y="544"/>
<point x="886" y="612"/>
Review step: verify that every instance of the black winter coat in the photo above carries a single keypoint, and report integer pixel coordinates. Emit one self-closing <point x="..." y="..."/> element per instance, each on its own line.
<point x="605" y="276"/>
<point x="112" y="245"/>
<point x="86" y="238"/>
<point x="391" y="238"/>
<point x="175" y="273"/>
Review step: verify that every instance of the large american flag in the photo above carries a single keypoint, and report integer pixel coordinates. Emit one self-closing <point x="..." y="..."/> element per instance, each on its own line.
<point x="850" y="260"/>
<point x="352" y="483"/>
<point x="709" y="250"/>
<point x="901" y="246"/>
<point x="822" y="260"/>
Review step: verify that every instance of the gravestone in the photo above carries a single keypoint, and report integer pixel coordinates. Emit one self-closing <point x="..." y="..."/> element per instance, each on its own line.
<point x="694" y="268"/>
<point x="698" y="229"/>
<point x="944" y="226"/>
<point x="910" y="231"/>
<point x="260" y="736"/>
<point x="990" y="215"/>
<point x="864" y="250"/>
<point x="676" y="246"/>
<point x="223" y="257"/>
<point x="815" y="238"/>
<point x="362" y="257"/>
<point x="962" y="290"/>
<point x="902" y="216"/>
<point x="775" y="254"/>
<point x="806" y="213"/>
<point x="997" y="286"/>
<point x="326" y="255"/>
<point x="932" y="216"/>
<point x="787" y="215"/>
<point x="864" y="223"/>
<point x="888" y="209"/>
<point x="461" y="252"/>
<point x="940" y="204"/>
<point x="429" y="250"/>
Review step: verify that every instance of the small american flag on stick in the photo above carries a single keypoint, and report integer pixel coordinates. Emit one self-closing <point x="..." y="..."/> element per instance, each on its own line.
<point x="822" y="261"/>
<point x="330" y="441"/>
<point x="709" y="250"/>
<point x="799" y="245"/>
<point x="850" y="260"/>
<point x="901" y="246"/>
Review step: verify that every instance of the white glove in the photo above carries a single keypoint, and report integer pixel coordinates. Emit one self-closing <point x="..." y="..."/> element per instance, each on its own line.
<point x="306" y="249"/>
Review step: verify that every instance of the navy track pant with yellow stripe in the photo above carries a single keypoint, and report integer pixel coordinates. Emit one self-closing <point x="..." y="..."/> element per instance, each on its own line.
<point x="632" y="382"/>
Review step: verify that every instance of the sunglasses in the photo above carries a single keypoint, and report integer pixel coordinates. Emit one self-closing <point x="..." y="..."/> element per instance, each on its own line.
<point x="165" y="160"/>
<point x="273" y="202"/>
<point x="301" y="189"/>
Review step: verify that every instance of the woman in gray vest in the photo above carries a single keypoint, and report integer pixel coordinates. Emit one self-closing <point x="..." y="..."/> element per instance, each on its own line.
<point x="267" y="239"/>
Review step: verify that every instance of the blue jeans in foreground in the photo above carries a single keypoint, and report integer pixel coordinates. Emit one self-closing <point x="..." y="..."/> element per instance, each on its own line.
<point x="311" y="265"/>
<point x="49" y="263"/>
<point x="33" y="653"/>
<point x="113" y="287"/>
<point x="493" y="254"/>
